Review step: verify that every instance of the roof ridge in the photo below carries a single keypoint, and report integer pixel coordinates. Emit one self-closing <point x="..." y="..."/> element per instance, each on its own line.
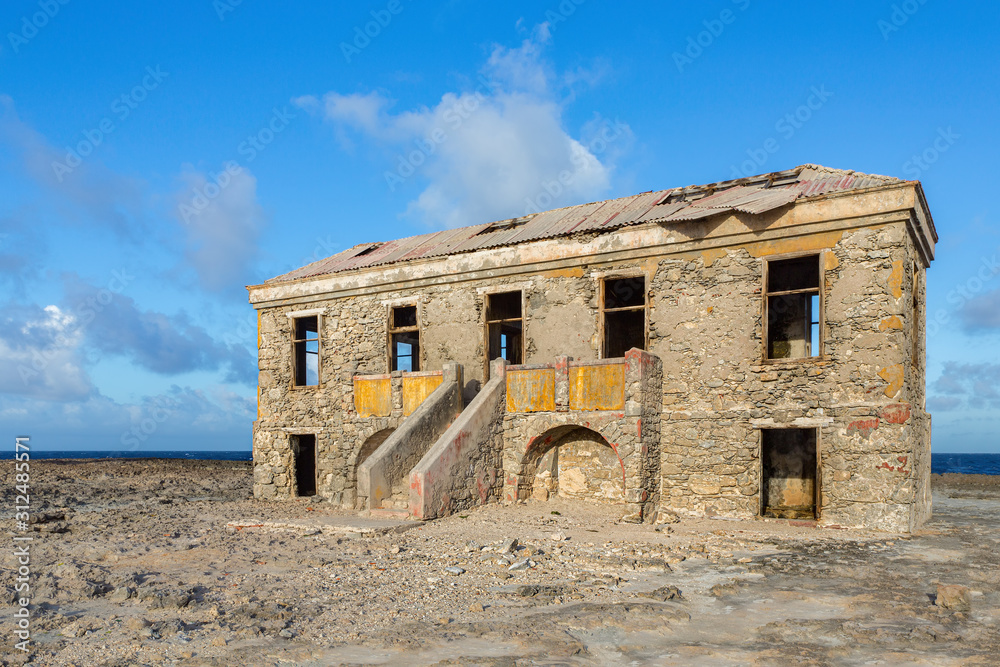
<point x="764" y="192"/>
<point x="848" y="172"/>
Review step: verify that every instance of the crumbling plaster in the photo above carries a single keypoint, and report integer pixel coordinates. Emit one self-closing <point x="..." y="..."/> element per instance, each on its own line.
<point x="705" y="325"/>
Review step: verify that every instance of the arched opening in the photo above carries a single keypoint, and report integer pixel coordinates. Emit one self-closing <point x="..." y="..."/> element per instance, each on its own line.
<point x="373" y="442"/>
<point x="370" y="445"/>
<point x="573" y="462"/>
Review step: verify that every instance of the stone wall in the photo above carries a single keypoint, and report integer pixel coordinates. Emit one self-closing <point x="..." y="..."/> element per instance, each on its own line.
<point x="704" y="323"/>
<point x="718" y="393"/>
<point x="644" y="396"/>
<point x="628" y="475"/>
<point x="354" y="340"/>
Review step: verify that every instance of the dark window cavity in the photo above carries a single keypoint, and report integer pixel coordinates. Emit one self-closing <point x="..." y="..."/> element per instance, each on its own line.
<point x="623" y="309"/>
<point x="404" y="339"/>
<point x="788" y="456"/>
<point x="504" y="327"/>
<point x="304" y="450"/>
<point x="792" y="300"/>
<point x="305" y="346"/>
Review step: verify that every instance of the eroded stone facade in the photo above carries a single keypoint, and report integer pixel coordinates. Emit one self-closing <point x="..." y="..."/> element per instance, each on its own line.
<point x="715" y="390"/>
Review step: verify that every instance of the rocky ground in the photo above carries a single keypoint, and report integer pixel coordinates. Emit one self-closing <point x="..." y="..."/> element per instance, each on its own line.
<point x="172" y="562"/>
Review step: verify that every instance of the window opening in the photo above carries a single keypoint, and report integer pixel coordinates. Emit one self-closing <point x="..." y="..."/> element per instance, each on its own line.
<point x="504" y="328"/>
<point x="792" y="298"/>
<point x="789" y="472"/>
<point x="304" y="449"/>
<point x="305" y="346"/>
<point x="404" y="339"/>
<point x="624" y="313"/>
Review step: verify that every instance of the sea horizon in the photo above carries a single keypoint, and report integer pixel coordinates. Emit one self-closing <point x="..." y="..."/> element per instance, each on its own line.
<point x="100" y="454"/>
<point x="967" y="463"/>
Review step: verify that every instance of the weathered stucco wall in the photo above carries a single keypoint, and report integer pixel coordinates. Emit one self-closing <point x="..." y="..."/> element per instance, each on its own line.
<point x="389" y="466"/>
<point x="621" y="444"/>
<point x="865" y="396"/>
<point x="354" y="341"/>
<point x="718" y="393"/>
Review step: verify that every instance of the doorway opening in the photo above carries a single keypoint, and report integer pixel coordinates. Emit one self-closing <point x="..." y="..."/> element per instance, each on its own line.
<point x="788" y="458"/>
<point x="304" y="450"/>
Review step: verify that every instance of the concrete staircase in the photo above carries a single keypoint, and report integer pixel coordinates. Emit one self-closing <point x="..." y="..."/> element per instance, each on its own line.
<point x="396" y="506"/>
<point x="384" y="477"/>
<point x="399" y="500"/>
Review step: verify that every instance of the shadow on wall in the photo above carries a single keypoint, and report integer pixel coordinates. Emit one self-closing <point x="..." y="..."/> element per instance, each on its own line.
<point x="373" y="442"/>
<point x="577" y="462"/>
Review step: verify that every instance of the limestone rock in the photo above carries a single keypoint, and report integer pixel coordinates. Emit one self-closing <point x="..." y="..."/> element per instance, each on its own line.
<point x="953" y="597"/>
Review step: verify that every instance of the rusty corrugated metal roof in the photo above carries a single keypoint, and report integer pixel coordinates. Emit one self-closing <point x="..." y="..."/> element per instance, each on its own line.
<point x="753" y="195"/>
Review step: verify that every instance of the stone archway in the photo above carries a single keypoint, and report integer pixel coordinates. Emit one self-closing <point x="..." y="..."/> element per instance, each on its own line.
<point x="368" y="447"/>
<point x="373" y="442"/>
<point x="573" y="461"/>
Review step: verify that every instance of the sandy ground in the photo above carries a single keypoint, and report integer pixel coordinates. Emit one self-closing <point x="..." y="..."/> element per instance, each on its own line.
<point x="142" y="562"/>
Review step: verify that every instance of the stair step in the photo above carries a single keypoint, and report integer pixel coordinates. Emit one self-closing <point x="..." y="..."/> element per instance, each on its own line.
<point x="396" y="503"/>
<point x="389" y="514"/>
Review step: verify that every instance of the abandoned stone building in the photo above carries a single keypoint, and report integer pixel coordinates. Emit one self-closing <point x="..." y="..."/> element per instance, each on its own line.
<point x="749" y="348"/>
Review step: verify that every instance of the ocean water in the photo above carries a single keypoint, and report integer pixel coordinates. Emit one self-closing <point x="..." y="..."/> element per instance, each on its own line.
<point x="243" y="455"/>
<point x="969" y="464"/>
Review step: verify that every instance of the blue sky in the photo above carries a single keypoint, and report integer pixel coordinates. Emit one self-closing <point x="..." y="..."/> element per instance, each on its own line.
<point x="155" y="158"/>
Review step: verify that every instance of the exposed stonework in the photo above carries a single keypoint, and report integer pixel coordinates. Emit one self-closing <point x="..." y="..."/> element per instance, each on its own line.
<point x="717" y="394"/>
<point x="626" y="439"/>
<point x="683" y="422"/>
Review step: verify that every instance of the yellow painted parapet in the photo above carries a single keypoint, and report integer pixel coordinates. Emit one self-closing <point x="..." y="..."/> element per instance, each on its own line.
<point x="373" y="396"/>
<point x="531" y="390"/>
<point x="416" y="389"/>
<point x="597" y="387"/>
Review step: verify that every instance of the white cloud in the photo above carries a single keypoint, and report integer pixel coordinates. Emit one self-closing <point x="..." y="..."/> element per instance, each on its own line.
<point x="40" y="354"/>
<point x="363" y="111"/>
<point x="180" y="418"/>
<point x="164" y="344"/>
<point x="971" y="385"/>
<point x="494" y="152"/>
<point x="222" y="231"/>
